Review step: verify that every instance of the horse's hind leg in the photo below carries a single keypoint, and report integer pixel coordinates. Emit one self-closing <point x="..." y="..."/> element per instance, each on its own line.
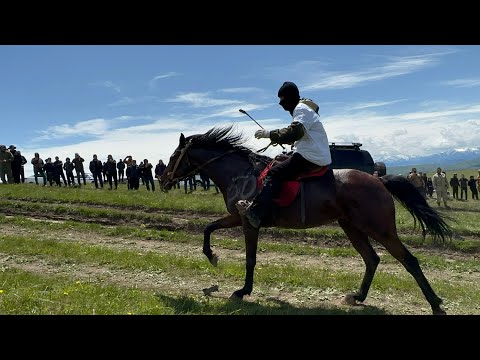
<point x="410" y="262"/>
<point x="360" y="242"/>
<point x="223" y="223"/>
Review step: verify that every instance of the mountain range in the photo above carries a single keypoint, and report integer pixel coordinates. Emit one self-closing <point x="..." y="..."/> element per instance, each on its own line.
<point x="448" y="160"/>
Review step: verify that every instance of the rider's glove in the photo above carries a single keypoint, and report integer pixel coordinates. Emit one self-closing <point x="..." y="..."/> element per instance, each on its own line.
<point x="262" y="134"/>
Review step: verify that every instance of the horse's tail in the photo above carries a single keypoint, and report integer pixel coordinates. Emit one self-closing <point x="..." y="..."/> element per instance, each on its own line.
<point x="411" y="199"/>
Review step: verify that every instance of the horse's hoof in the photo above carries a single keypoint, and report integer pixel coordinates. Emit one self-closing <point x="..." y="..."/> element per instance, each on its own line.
<point x="349" y="299"/>
<point x="439" y="311"/>
<point x="214" y="260"/>
<point x="236" y="296"/>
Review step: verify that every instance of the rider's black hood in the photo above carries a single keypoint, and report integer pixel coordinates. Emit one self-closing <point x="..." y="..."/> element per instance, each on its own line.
<point x="291" y="96"/>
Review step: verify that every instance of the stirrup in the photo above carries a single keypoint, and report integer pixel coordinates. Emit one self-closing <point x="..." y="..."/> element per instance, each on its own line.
<point x="244" y="209"/>
<point x="242" y="206"/>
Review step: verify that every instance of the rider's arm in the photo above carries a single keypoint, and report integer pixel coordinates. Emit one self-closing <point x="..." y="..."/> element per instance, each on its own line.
<point x="288" y="135"/>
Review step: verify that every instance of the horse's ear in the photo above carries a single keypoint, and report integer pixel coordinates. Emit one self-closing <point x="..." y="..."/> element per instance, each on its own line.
<point x="182" y="141"/>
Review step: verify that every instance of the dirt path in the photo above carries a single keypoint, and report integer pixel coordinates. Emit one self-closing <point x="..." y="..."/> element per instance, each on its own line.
<point x="160" y="281"/>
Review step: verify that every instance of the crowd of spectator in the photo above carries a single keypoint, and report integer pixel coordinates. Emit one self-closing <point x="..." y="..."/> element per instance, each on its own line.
<point x="110" y="172"/>
<point x="440" y="184"/>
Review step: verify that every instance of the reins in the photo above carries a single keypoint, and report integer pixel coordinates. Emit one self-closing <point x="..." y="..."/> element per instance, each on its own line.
<point x="183" y="152"/>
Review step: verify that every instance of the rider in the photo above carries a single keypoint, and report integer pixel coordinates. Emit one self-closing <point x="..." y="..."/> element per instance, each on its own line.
<point x="310" y="149"/>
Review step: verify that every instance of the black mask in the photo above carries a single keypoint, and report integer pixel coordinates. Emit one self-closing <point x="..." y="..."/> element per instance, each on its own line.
<point x="291" y="96"/>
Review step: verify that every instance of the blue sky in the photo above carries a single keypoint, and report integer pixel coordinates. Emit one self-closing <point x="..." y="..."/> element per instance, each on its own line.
<point x="136" y="100"/>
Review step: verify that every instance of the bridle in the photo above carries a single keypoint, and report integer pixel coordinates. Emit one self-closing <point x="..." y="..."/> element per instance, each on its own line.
<point x="183" y="153"/>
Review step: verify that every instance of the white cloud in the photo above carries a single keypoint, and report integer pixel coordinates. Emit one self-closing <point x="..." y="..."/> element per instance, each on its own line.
<point x="162" y="76"/>
<point x="94" y="127"/>
<point x="462" y="83"/>
<point x="373" y="104"/>
<point x="395" y="67"/>
<point x="413" y="133"/>
<point x="129" y="101"/>
<point x="201" y="100"/>
<point x="107" y="84"/>
<point x="241" y="90"/>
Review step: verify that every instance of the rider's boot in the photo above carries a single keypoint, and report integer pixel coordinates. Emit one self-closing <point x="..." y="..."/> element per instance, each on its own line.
<point x="261" y="205"/>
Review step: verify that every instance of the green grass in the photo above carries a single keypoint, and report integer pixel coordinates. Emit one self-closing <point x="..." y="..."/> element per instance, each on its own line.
<point x="24" y="293"/>
<point x="67" y="297"/>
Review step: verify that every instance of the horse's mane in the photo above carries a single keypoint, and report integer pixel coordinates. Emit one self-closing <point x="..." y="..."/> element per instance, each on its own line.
<point x="226" y="138"/>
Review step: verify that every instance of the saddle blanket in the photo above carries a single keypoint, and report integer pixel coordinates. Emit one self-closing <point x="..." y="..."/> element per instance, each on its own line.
<point x="289" y="189"/>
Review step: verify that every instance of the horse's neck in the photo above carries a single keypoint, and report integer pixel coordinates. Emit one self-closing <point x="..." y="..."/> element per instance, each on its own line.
<point x="228" y="168"/>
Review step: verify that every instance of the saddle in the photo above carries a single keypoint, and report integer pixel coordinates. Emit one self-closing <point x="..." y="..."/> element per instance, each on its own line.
<point x="289" y="189"/>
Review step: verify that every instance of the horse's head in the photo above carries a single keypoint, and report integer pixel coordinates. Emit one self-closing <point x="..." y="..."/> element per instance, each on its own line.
<point x="207" y="152"/>
<point x="179" y="166"/>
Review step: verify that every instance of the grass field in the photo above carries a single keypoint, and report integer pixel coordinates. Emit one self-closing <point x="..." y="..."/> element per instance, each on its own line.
<point x="88" y="251"/>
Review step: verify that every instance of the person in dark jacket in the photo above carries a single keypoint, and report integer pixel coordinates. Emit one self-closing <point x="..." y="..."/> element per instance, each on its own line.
<point x="121" y="170"/>
<point x="58" y="166"/>
<point x="472" y="184"/>
<point x="49" y="170"/>
<point x="68" y="167"/>
<point x="38" y="165"/>
<point x="16" y="164"/>
<point x="96" y="168"/>
<point x="463" y="187"/>
<point x="159" y="169"/>
<point x="78" y="163"/>
<point x="132" y="176"/>
<point x="454" y="183"/>
<point x="111" y="171"/>
<point x="147" y="174"/>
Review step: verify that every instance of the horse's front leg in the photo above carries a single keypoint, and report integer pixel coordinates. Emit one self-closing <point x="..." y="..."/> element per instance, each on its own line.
<point x="223" y="223"/>
<point x="251" y="242"/>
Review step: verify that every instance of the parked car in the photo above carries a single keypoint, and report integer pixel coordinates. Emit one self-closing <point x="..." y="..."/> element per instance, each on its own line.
<point x="31" y="179"/>
<point x="351" y="157"/>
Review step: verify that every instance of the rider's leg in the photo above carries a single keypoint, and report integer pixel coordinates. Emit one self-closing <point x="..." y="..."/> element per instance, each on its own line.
<point x="286" y="170"/>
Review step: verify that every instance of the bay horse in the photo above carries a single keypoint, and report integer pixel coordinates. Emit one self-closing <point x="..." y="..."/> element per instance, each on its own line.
<point x="361" y="203"/>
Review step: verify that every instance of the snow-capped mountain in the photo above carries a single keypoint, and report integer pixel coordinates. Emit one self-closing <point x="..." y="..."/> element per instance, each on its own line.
<point x="444" y="158"/>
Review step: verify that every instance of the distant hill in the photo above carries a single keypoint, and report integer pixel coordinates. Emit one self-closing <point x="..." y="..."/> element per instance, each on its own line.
<point x="448" y="161"/>
<point x="432" y="167"/>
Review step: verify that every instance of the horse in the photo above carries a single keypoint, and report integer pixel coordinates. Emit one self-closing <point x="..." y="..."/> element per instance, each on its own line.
<point x="362" y="204"/>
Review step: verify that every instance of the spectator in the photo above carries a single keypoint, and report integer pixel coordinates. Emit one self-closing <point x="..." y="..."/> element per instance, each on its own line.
<point x="417" y="181"/>
<point x="463" y="187"/>
<point x="78" y="163"/>
<point x="104" y="172"/>
<point x="147" y="174"/>
<point x="440" y="184"/>
<point x="473" y="187"/>
<point x="121" y="170"/>
<point x="38" y="165"/>
<point x="96" y="168"/>
<point x="132" y="175"/>
<point x="429" y="187"/>
<point x="22" y="170"/>
<point x="191" y="183"/>
<point x="424" y="178"/>
<point x="58" y="171"/>
<point x="159" y="169"/>
<point x="454" y="183"/>
<point x="49" y="169"/>
<point x="16" y="164"/>
<point x="68" y="167"/>
<point x="6" y="159"/>
<point x="111" y="171"/>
